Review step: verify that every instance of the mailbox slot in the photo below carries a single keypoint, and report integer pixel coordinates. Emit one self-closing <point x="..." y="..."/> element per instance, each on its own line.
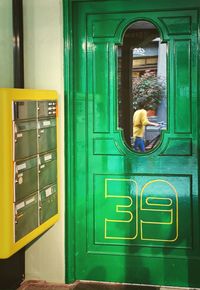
<point x="25" y="110"/>
<point x="47" y="169"/>
<point x="26" y="216"/>
<point x="48" y="203"/>
<point x="46" y="134"/>
<point x="26" y="180"/>
<point x="25" y="139"/>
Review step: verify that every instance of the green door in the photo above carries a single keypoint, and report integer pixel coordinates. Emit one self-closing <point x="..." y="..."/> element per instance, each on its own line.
<point x="135" y="216"/>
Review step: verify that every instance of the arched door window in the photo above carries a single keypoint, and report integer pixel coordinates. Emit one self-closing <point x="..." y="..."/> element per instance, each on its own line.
<point x="142" y="105"/>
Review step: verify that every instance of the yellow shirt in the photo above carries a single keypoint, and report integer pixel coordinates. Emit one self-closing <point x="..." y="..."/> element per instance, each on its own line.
<point x="139" y="122"/>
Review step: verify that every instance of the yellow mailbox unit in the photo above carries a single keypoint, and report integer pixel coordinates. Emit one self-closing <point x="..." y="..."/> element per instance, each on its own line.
<point x="28" y="168"/>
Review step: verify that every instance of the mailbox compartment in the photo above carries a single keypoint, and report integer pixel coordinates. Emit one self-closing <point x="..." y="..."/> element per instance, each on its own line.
<point x="25" y="139"/>
<point x="47" y="169"/>
<point x="48" y="203"/>
<point x="26" y="216"/>
<point x="46" y="134"/>
<point x="46" y="109"/>
<point x="25" y="110"/>
<point x="26" y="180"/>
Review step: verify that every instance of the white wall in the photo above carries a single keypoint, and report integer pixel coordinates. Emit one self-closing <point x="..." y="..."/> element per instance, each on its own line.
<point x="6" y="44"/>
<point x="43" y="59"/>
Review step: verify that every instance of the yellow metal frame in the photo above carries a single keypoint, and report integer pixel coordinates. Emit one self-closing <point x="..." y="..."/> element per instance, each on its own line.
<point x="7" y="244"/>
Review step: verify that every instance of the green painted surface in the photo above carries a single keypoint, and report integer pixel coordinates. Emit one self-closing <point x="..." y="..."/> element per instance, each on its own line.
<point x="48" y="203"/>
<point x="26" y="216"/>
<point x="25" y="110"/>
<point x="26" y="178"/>
<point x="47" y="135"/>
<point x="47" y="169"/>
<point x="136" y="216"/>
<point x="25" y="139"/>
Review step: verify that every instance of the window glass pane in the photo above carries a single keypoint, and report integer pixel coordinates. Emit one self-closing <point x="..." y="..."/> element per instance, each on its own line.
<point x="142" y="86"/>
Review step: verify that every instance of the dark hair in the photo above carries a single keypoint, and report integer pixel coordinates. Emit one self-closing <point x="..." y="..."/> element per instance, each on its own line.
<point x="143" y="105"/>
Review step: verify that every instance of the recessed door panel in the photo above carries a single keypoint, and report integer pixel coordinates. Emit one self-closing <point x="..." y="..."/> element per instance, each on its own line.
<point x="142" y="210"/>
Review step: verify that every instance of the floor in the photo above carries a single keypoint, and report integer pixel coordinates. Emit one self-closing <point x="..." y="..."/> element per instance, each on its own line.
<point x="89" y="285"/>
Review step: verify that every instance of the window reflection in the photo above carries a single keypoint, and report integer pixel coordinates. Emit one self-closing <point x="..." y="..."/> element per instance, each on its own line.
<point x="142" y="86"/>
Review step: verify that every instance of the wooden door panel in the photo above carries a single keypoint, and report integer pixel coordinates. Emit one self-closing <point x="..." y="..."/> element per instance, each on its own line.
<point x="136" y="214"/>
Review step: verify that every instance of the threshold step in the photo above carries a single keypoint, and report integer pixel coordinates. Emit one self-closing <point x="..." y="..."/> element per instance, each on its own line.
<point x="92" y="285"/>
